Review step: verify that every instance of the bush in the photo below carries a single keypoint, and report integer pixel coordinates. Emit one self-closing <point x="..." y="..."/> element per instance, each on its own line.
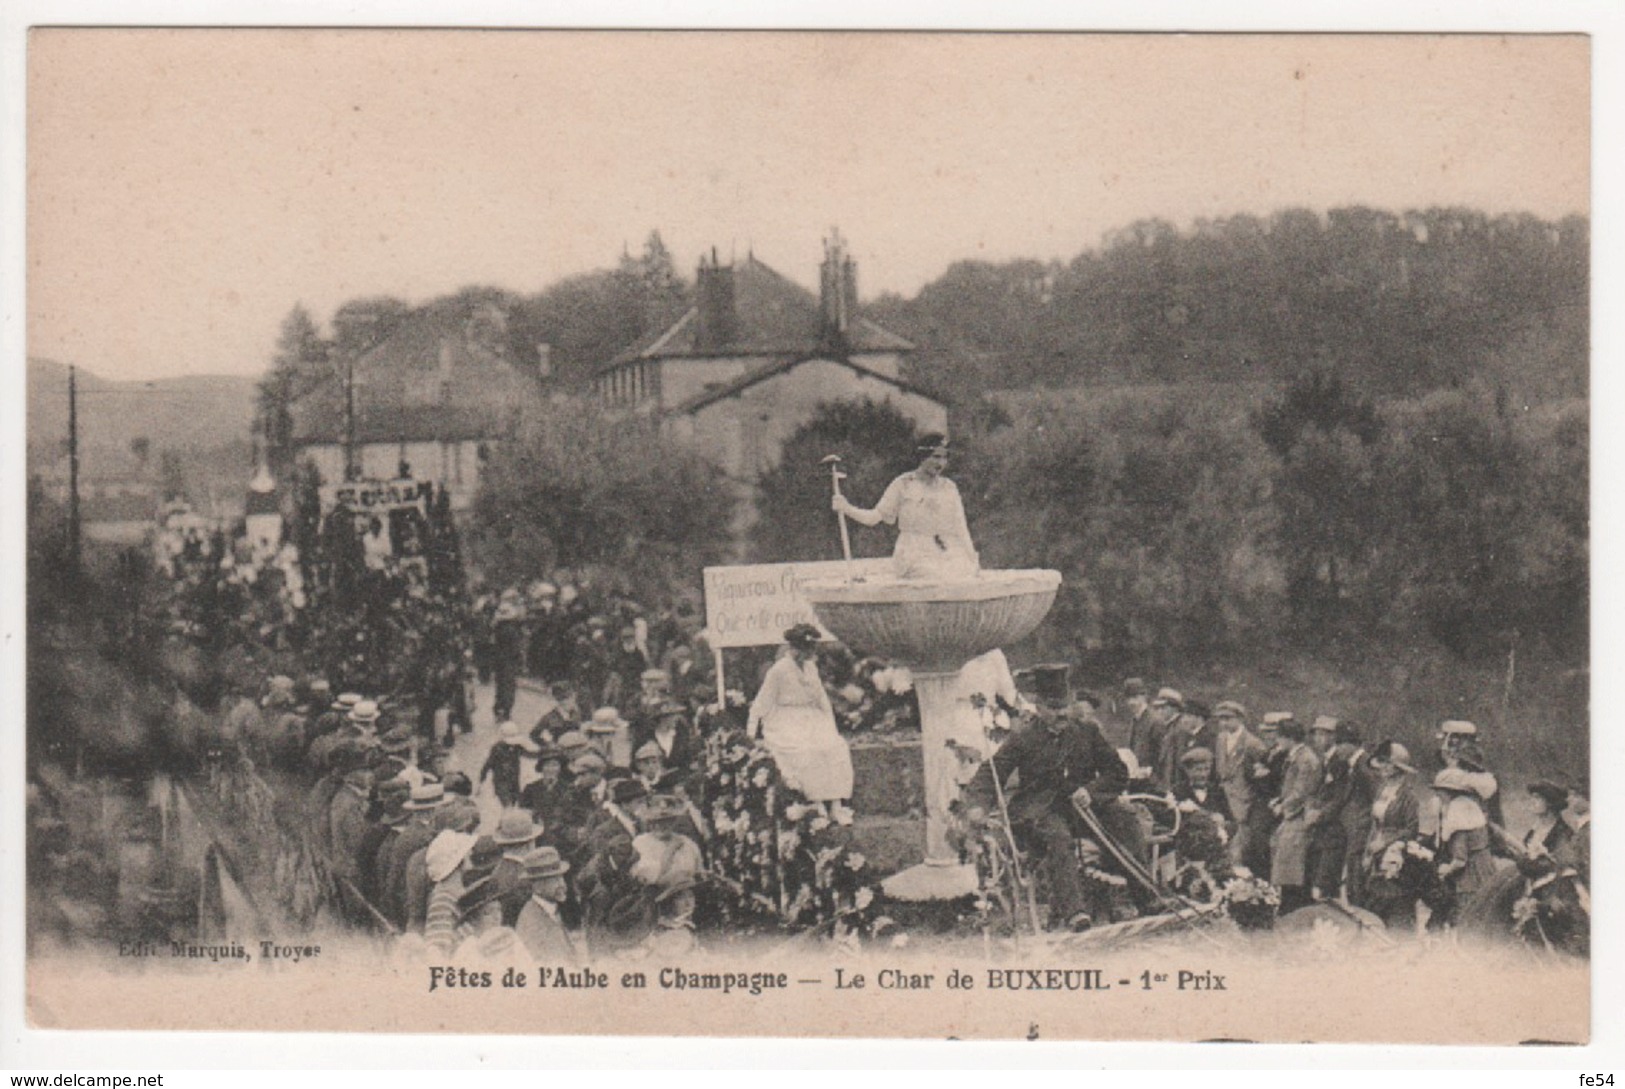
<point x="577" y="489"/>
<point x="1154" y="508"/>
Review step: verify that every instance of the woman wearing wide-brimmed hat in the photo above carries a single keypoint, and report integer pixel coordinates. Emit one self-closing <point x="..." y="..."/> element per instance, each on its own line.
<point x="793" y="716"/>
<point x="1395" y="813"/>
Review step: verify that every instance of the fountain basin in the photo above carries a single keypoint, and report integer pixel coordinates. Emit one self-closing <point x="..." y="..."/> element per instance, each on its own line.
<point x="934" y="626"/>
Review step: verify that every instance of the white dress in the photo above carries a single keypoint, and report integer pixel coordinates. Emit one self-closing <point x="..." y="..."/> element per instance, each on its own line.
<point x="798" y="726"/>
<point x="933" y="540"/>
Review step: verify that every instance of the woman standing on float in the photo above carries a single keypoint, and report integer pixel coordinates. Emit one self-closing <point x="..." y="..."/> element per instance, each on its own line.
<point x="933" y="541"/>
<point x="793" y="715"/>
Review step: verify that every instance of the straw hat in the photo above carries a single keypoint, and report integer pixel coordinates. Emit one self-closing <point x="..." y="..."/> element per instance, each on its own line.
<point x="445" y="853"/>
<point x="509" y="733"/>
<point x="516" y="826"/>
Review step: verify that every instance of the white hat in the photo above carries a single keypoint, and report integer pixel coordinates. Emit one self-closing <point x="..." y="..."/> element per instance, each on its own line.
<point x="1458" y="726"/>
<point x="446" y="852"/>
<point x="1454" y="779"/>
<point x="1399" y="756"/>
<point x="365" y="712"/>
<point x="605" y="720"/>
<point x="509" y="734"/>
<point x="426" y="795"/>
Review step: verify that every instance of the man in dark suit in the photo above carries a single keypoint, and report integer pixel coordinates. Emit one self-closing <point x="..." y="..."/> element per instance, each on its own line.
<point x="1264" y="774"/>
<point x="1146" y="724"/>
<point x="669" y="729"/>
<point x="1062" y="760"/>
<point x="1189" y="729"/>
<point x="1362" y="791"/>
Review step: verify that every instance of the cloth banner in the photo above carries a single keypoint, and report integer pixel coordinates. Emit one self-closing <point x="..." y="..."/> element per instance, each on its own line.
<point x="752" y="605"/>
<point x="376" y="496"/>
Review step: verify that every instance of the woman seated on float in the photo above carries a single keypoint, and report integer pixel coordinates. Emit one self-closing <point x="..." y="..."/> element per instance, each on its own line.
<point x="933" y="540"/>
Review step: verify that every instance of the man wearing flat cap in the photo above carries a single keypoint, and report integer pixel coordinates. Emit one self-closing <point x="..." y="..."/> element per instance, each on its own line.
<point x="1237" y="750"/>
<point x="582" y="804"/>
<point x="1187" y="729"/>
<point x="384" y="819"/>
<point x="1062" y="760"/>
<point x="347" y="822"/>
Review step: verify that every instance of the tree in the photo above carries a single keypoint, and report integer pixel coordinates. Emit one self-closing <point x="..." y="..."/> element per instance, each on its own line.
<point x="1324" y="436"/>
<point x="875" y="441"/>
<point x="1487" y="522"/>
<point x="578" y="489"/>
<point x="652" y="280"/>
<point x="1154" y="510"/>
<point x="585" y="320"/>
<point x="1398" y="303"/>
<point x="300" y="353"/>
<point x="172" y="475"/>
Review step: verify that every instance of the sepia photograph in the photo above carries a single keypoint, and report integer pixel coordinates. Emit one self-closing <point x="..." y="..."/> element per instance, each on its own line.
<point x="991" y="536"/>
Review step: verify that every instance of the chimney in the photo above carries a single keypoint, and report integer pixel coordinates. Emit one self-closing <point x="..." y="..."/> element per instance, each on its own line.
<point x="718" y="320"/>
<point x="837" y="293"/>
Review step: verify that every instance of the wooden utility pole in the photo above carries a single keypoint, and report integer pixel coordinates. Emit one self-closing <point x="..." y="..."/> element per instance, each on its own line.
<point x="349" y="416"/>
<point x="73" y="466"/>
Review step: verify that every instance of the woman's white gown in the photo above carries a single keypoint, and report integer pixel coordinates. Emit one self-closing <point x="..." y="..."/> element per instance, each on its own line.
<point x="933" y="539"/>
<point x="798" y="726"/>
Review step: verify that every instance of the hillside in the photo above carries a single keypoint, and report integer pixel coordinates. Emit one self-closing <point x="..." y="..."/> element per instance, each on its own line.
<point x="1395" y="303"/>
<point x="195" y="413"/>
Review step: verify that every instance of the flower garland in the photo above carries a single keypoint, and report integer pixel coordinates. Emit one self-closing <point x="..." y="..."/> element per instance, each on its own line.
<point x="782" y="862"/>
<point x="1250" y="901"/>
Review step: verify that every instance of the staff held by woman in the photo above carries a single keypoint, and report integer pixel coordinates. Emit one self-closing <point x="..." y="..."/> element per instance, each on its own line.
<point x="933" y="540"/>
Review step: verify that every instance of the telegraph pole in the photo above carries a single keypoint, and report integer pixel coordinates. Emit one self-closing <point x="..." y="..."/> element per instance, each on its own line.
<point x="349" y="416"/>
<point x="73" y="466"/>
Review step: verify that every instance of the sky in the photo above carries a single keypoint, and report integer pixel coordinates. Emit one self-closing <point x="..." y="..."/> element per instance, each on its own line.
<point x="186" y="188"/>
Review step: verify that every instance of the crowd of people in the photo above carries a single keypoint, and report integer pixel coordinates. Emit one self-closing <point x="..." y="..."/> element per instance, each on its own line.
<point x="1278" y="810"/>
<point x="613" y="833"/>
<point x="636" y="805"/>
<point x="599" y="646"/>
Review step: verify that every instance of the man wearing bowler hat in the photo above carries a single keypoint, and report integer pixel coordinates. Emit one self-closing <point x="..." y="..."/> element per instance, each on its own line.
<point x="1063" y="760"/>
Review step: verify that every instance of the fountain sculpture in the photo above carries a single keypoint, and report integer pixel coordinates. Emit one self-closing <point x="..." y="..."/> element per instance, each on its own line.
<point x="933" y="621"/>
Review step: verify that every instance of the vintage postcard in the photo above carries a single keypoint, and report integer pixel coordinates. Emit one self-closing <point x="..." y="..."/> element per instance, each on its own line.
<point x="835" y="534"/>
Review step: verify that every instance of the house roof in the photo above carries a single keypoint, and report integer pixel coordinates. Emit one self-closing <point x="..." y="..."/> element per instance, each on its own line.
<point x="439" y="375"/>
<point x="775" y="316"/>
<point x="781" y="366"/>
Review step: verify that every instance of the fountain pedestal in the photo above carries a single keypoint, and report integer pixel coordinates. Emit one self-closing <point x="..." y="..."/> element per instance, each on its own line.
<point x="934" y="628"/>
